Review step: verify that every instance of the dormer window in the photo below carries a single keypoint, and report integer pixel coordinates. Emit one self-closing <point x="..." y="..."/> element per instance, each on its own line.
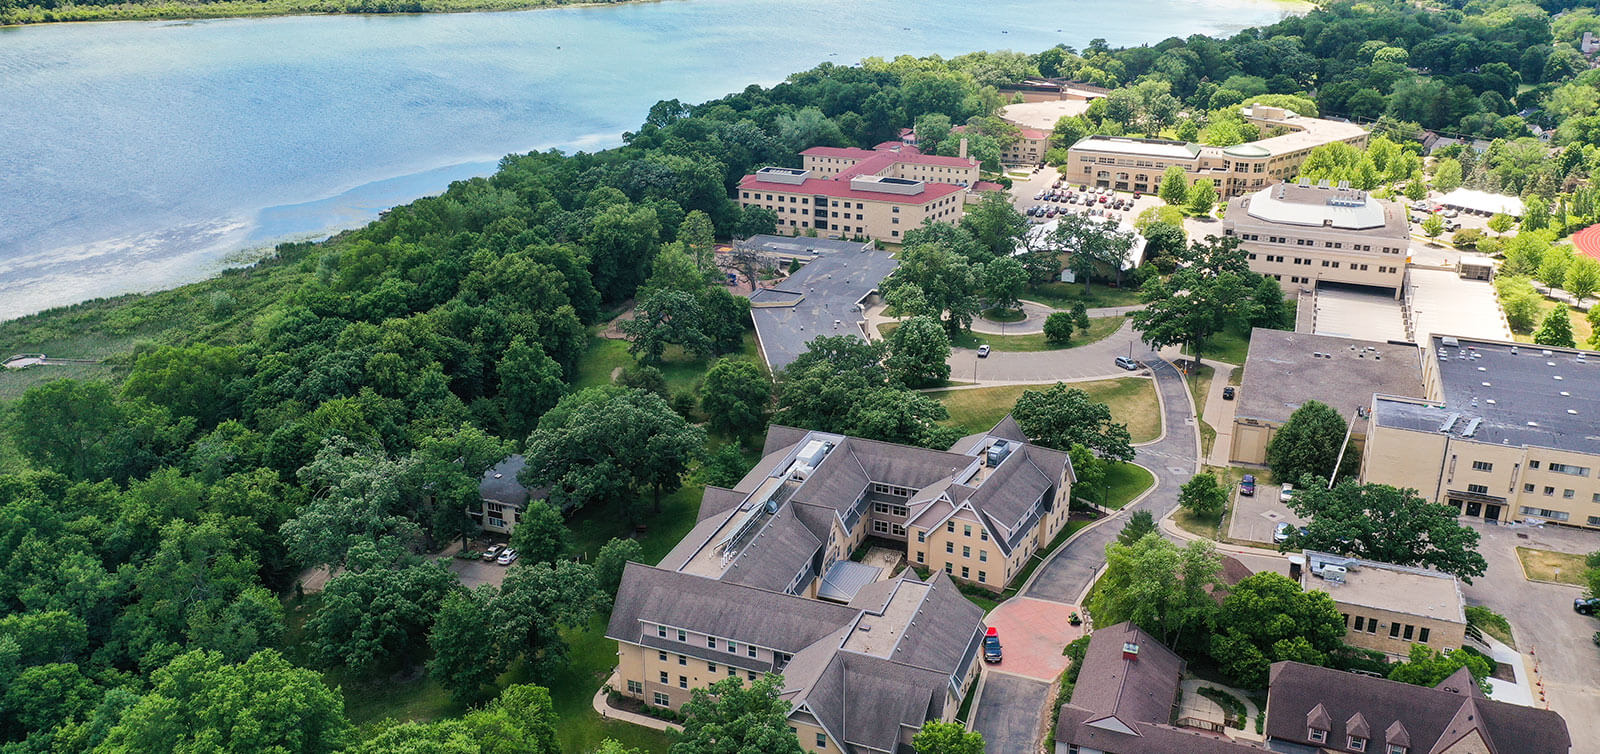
<point x="1317" y="735"/>
<point x="1357" y="744"/>
<point x="1397" y="749"/>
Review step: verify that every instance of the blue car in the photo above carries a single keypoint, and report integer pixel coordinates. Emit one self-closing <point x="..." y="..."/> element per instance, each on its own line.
<point x="1247" y="485"/>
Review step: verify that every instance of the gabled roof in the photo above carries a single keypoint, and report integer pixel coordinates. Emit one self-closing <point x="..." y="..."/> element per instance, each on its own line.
<point x="741" y="613"/>
<point x="1430" y="719"/>
<point x="770" y="561"/>
<point x="719" y="500"/>
<point x="499" y="484"/>
<point x="945" y="625"/>
<point x="1140" y="690"/>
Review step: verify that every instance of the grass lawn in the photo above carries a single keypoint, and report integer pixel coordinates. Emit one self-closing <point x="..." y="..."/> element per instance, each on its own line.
<point x="589" y="662"/>
<point x="1064" y="295"/>
<point x="1204" y="526"/>
<point x="1100" y="328"/>
<point x="593" y="526"/>
<point x="1582" y="331"/>
<point x="683" y="371"/>
<point x="1132" y="401"/>
<point x="1230" y="345"/>
<point x="1549" y="565"/>
<point x="1125" y="482"/>
<point x="1003" y="315"/>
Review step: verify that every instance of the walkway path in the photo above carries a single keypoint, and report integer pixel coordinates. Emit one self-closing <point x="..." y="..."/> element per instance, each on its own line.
<point x="1011" y="710"/>
<point x="610" y="712"/>
<point x="1219" y="414"/>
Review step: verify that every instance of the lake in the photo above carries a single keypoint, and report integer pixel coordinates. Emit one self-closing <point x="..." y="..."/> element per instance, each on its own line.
<point x="141" y="155"/>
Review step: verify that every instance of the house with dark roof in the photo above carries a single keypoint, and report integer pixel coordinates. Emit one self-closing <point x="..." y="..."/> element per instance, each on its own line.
<point x="503" y="497"/>
<point x="1127" y="701"/>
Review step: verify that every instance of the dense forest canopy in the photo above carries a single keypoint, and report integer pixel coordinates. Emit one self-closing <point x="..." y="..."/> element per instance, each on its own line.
<point x="336" y="404"/>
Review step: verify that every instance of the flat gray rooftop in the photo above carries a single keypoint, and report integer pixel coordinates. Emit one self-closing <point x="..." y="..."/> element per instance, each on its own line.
<point x="798" y="247"/>
<point x="1284" y="371"/>
<point x="820" y="299"/>
<point x="1356" y="313"/>
<point x="1508" y="393"/>
<point x="1441" y="301"/>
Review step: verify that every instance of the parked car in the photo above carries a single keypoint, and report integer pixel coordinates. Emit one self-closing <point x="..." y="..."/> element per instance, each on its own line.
<point x="983" y="351"/>
<point x="1136" y="195"/>
<point x="1286" y="494"/>
<point x="1586" y="605"/>
<point x="1127" y="363"/>
<point x="507" y="557"/>
<point x="1280" y="533"/>
<point x="991" y="645"/>
<point x="1227" y="393"/>
<point x="492" y="552"/>
<point x="1247" y="485"/>
<point x="1083" y="187"/>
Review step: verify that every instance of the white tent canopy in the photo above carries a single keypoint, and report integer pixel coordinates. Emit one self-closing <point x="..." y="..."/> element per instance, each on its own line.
<point x="1482" y="201"/>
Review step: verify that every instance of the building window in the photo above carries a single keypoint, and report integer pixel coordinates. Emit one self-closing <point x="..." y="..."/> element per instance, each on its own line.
<point x="751" y="674"/>
<point x="919" y="556"/>
<point x="635" y="687"/>
<point x="950" y="526"/>
<point x="662" y="656"/>
<point x="750" y="651"/>
<point x="662" y="700"/>
<point x="683" y="660"/>
<point x="1361" y="623"/>
<point x="822" y="740"/>
<point x="683" y="635"/>
<point x="1478" y="488"/>
<point x="1317" y="735"/>
<point x="983" y="556"/>
<point x="1549" y="490"/>
<point x="711" y="641"/>
<point x="1563" y="468"/>
<point x="1568" y="493"/>
<point x="966" y="552"/>
<point x="1533" y="464"/>
<point x="661" y="631"/>
<point x="1422" y="634"/>
<point x="1397" y="749"/>
<point x="1406" y="634"/>
<point x="665" y="679"/>
<point x="733" y="647"/>
<point x="1529" y="488"/>
<point x="923" y="537"/>
<point x="949" y="568"/>
<point x="1482" y="466"/>
<point x="950" y="547"/>
<point x="711" y="667"/>
<point x="683" y="681"/>
<point x="966" y="531"/>
<point x="964" y="573"/>
<point x="983" y="577"/>
<point x="1394" y="630"/>
<point x="1357" y="744"/>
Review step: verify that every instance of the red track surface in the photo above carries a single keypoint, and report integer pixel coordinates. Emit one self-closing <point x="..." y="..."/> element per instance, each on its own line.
<point x="1588" y="240"/>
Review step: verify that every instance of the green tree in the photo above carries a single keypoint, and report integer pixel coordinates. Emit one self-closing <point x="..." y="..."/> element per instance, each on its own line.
<point x="1189" y="307"/>
<point x="1267" y="618"/>
<point x="373" y="615"/>
<point x="1309" y="444"/>
<point x="1556" y="330"/>
<point x="1202" y="197"/>
<point x="673" y="269"/>
<point x="610" y="561"/>
<point x="1433" y="226"/>
<point x="466" y="657"/>
<point x="1003" y="280"/>
<point x="197" y="381"/>
<point x="264" y="704"/>
<point x="541" y="536"/>
<point x="1202" y="495"/>
<point x="919" y="353"/>
<point x="1060" y="416"/>
<point x="947" y="284"/>
<point x="530" y="384"/>
<point x="604" y="444"/>
<point x="1447" y="175"/>
<point x="735" y="396"/>
<point x="81" y="430"/>
<point x="1139" y="524"/>
<point x="995" y="224"/>
<point x="729" y="717"/>
<point x="662" y="318"/>
<point x="937" y="737"/>
<point x="1158" y="587"/>
<point x="1058" y="328"/>
<point x="1390" y="525"/>
<point x="1583" y="278"/>
<point x="359" y="495"/>
<point x="1269" y="308"/>
<point x="536" y="601"/>
<point x="1428" y="667"/>
<point x="697" y="235"/>
<point x="1174" y="189"/>
<point x="1501" y="222"/>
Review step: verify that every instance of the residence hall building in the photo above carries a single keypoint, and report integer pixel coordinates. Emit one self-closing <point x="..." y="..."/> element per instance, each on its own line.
<point x="1303" y="235"/>
<point x="843" y="192"/>
<point x="1130" y="164"/>
<point x="1284" y="370"/>
<point x="1502" y="432"/>
<point x="1387" y="607"/>
<point x="1128" y="701"/>
<point x="1028" y="149"/>
<point x="764" y="582"/>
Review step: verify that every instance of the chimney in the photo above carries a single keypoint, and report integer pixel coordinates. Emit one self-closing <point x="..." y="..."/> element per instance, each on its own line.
<point x="1130" y="651"/>
<point x="963" y="147"/>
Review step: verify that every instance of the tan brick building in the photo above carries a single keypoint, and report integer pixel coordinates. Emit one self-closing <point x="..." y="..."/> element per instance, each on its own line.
<point x="1129" y="164"/>
<point x="1503" y="432"/>
<point x="858" y="193"/>
<point x="1302" y="235"/>
<point x="1388" y="608"/>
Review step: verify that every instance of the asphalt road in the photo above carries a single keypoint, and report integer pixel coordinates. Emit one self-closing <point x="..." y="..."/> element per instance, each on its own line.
<point x="1095" y="360"/>
<point x="1009" y="711"/>
<point x="1172" y="459"/>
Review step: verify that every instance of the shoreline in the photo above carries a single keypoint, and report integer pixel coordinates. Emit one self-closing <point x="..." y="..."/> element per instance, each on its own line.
<point x="229" y="9"/>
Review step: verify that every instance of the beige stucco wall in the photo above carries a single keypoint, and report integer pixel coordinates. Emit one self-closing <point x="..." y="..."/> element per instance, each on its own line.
<point x="885" y="219"/>
<point x="1442" y="634"/>
<point x="807" y="733"/>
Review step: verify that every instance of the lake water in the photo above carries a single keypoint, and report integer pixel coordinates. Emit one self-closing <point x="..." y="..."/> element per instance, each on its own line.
<point x="139" y="155"/>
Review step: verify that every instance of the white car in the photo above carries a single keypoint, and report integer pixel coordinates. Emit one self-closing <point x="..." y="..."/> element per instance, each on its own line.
<point x="507" y="557"/>
<point x="983" y="351"/>
<point x="1286" y="494"/>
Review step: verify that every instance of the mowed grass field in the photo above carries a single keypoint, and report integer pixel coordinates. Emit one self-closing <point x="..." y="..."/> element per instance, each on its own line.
<point x="1132" y="401"/>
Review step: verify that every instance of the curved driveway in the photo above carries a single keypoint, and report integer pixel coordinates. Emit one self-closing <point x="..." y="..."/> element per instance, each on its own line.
<point x="1091" y="361"/>
<point x="1037" y="312"/>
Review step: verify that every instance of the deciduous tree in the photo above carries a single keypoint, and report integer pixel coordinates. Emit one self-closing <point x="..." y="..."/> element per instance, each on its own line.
<point x="729" y="717"/>
<point x="938" y="737"/>
<point x="1428" y="667"/>
<point x="1556" y="330"/>
<point x="1267" y="618"/>
<point x="1387" y="524"/>
<point x="735" y="396"/>
<point x="1309" y="445"/>
<point x="1058" y="328"/>
<point x="1061" y="416"/>
<point x="541" y="536"/>
<point x="1202" y="495"/>
<point x="919" y="353"/>
<point x="1158" y="587"/>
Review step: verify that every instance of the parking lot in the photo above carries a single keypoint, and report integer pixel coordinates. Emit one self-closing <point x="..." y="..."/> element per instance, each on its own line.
<point x="1255" y="517"/>
<point x="475" y="573"/>
<point x="1023" y="192"/>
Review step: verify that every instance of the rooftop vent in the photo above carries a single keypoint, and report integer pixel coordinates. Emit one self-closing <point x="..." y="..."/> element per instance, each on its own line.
<point x="1545" y="352"/>
<point x="1130" y="651"/>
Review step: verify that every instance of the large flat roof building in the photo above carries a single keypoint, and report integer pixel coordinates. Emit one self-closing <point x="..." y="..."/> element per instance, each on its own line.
<point x="1303" y="235"/>
<point x="1387" y="607"/>
<point x="1284" y="370"/>
<point x="844" y="192"/>
<point x="1503" y="431"/>
<point x="826" y="297"/>
<point x="1128" y="164"/>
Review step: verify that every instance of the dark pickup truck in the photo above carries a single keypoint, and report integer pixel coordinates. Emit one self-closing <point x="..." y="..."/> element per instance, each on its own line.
<point x="991" y="645"/>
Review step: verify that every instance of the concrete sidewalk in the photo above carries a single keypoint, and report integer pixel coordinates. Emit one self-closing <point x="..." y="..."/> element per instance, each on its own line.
<point x="1219" y="414"/>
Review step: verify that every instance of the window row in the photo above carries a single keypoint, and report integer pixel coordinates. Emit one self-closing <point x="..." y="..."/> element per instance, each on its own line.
<point x="732" y="647"/>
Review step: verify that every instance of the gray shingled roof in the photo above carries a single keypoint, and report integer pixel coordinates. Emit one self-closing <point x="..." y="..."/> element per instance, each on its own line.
<point x="1430" y="717"/>
<point x="1072" y="728"/>
<point x="1141" y="690"/>
<point x="741" y="613"/>
<point x="946" y="626"/>
<point x="783" y="548"/>
<point x="868" y="700"/>
<point x="719" y="500"/>
<point x="500" y="484"/>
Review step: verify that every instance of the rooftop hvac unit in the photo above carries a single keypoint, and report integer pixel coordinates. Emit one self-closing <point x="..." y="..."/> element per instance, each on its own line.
<point x="998" y="452"/>
<point x="1333" y="573"/>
